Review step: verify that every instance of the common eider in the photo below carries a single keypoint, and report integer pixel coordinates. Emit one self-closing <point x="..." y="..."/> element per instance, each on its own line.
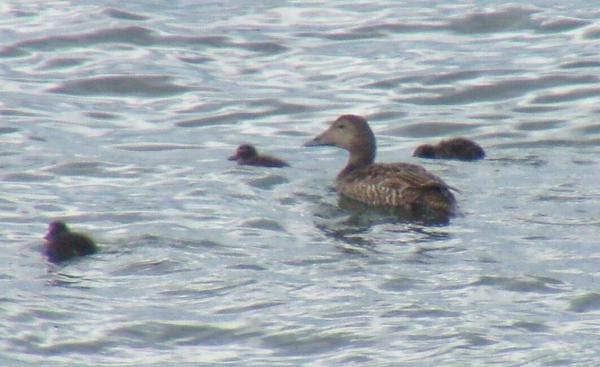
<point x="246" y="154"/>
<point x="457" y="148"/>
<point x="62" y="244"/>
<point x="396" y="185"/>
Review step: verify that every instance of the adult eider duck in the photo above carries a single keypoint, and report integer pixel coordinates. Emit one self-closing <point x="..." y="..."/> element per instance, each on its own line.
<point x="457" y="148"/>
<point x="246" y="154"/>
<point x="62" y="244"/>
<point x="396" y="185"/>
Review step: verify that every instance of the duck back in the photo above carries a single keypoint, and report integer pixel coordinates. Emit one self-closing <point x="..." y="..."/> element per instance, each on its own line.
<point x="68" y="245"/>
<point x="397" y="185"/>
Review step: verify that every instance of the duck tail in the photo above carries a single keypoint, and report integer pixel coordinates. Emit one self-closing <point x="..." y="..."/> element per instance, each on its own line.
<point x="438" y="198"/>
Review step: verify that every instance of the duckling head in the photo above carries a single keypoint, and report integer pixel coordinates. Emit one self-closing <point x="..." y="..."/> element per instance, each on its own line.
<point x="244" y="151"/>
<point x="425" y="151"/>
<point x="56" y="228"/>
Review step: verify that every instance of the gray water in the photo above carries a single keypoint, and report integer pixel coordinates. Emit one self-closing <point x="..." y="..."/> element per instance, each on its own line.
<point x="118" y="117"/>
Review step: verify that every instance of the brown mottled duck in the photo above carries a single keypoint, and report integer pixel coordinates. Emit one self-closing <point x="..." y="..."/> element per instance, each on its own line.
<point x="396" y="185"/>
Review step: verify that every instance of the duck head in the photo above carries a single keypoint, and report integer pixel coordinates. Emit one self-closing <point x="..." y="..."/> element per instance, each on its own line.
<point x="352" y="133"/>
<point x="244" y="151"/>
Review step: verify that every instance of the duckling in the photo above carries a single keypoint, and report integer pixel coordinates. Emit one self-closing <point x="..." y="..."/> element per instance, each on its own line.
<point x="394" y="185"/>
<point x="246" y="154"/>
<point x="457" y="148"/>
<point x="62" y="244"/>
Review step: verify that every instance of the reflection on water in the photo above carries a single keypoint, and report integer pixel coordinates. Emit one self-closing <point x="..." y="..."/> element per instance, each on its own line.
<point x="370" y="215"/>
<point x="352" y="223"/>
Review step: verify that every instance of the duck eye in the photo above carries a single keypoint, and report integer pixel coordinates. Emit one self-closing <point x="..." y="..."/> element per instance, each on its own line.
<point x="340" y="126"/>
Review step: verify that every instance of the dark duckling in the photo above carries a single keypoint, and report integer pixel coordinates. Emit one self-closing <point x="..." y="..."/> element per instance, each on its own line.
<point x="457" y="148"/>
<point x="246" y="154"/>
<point x="62" y="244"/>
<point x="396" y="185"/>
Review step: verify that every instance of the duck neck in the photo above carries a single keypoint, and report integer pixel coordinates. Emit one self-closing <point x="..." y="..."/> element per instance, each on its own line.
<point x="360" y="156"/>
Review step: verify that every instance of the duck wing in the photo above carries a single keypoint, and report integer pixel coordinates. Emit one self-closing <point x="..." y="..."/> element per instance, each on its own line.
<point x="391" y="184"/>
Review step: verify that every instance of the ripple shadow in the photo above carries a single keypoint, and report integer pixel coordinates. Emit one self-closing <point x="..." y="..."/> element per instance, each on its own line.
<point x="520" y="284"/>
<point x="117" y="85"/>
<point x="135" y="36"/>
<point x="585" y="303"/>
<point x="142" y="334"/>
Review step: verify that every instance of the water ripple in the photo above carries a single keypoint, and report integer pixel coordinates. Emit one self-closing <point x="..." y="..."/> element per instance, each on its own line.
<point x="125" y="15"/>
<point x="154" y="147"/>
<point x="137" y="85"/>
<point x="520" y="284"/>
<point x="569" y="96"/>
<point x="92" y="169"/>
<point x="153" y="333"/>
<point x="301" y="343"/>
<point x="585" y="303"/>
<point x="505" y="19"/>
<point x="118" y="119"/>
<point x="500" y="90"/>
<point x="135" y="36"/>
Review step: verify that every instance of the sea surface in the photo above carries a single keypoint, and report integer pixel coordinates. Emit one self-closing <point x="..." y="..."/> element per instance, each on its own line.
<point x="118" y="117"/>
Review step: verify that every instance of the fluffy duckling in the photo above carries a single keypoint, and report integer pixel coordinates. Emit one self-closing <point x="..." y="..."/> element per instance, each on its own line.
<point x="457" y="148"/>
<point x="382" y="184"/>
<point x="62" y="244"/>
<point x="246" y="154"/>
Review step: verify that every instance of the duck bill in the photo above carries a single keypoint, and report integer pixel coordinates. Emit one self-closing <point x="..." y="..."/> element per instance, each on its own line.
<point x="317" y="141"/>
<point x="233" y="158"/>
<point x="312" y="143"/>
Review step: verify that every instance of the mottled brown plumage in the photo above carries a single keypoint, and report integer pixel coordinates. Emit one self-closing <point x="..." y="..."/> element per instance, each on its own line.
<point x="382" y="184"/>
<point x="457" y="148"/>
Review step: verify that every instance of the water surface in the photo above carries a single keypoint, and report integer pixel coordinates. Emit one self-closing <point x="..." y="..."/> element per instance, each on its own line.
<point x="118" y="118"/>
